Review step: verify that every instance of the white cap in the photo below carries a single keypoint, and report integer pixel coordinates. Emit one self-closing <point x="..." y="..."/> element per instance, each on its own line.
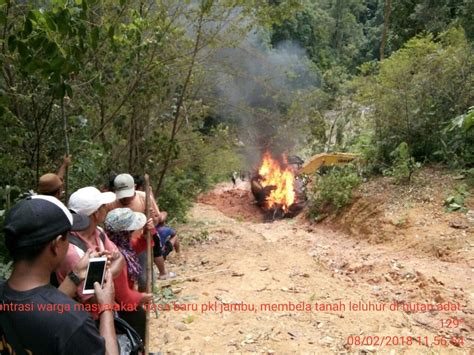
<point x="124" y="186"/>
<point x="89" y="199"/>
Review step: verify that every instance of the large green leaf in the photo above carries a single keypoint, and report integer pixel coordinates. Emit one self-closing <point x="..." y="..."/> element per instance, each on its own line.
<point x="12" y="43"/>
<point x="50" y="23"/>
<point x="3" y="17"/>
<point x="28" y="27"/>
<point x="23" y="49"/>
<point x="468" y="121"/>
<point x="94" y="37"/>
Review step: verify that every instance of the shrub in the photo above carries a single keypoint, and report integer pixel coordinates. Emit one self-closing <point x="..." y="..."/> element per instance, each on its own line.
<point x="332" y="191"/>
<point x="403" y="165"/>
<point x="458" y="141"/>
<point x="414" y="95"/>
<point x="176" y="197"/>
<point x="456" y="201"/>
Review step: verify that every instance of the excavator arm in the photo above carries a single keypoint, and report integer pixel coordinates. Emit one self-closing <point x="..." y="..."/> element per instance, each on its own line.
<point x="325" y="159"/>
<point x="311" y="166"/>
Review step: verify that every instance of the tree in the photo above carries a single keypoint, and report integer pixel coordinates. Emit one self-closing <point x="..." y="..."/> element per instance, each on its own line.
<point x="416" y="92"/>
<point x="386" y="21"/>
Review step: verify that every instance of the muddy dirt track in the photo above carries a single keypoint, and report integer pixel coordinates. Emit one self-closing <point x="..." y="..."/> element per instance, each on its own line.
<point x="295" y="287"/>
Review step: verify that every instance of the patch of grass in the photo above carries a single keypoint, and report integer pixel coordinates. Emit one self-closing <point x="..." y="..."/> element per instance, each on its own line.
<point x="165" y="296"/>
<point x="455" y="202"/>
<point x="193" y="239"/>
<point x="189" y="319"/>
<point x="470" y="177"/>
<point x="399" y="221"/>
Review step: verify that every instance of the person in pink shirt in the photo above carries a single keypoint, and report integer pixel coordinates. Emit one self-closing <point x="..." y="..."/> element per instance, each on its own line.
<point x="91" y="202"/>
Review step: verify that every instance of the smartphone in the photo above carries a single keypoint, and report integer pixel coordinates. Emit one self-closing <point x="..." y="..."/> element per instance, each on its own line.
<point x="95" y="273"/>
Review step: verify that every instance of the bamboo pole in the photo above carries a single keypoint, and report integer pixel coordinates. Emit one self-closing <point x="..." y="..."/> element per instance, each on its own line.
<point x="66" y="142"/>
<point x="149" y="261"/>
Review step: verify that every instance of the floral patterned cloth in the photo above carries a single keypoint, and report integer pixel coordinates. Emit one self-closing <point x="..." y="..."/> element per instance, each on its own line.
<point x="122" y="241"/>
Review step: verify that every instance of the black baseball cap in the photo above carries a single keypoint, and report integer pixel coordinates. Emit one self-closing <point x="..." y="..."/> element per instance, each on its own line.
<point x="39" y="219"/>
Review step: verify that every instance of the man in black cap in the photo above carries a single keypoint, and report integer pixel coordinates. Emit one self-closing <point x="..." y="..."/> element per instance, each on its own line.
<point x="35" y="317"/>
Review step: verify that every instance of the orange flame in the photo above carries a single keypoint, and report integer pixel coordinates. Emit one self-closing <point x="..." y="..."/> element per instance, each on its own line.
<point x="281" y="178"/>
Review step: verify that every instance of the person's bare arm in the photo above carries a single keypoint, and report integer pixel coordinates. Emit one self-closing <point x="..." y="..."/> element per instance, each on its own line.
<point x="62" y="169"/>
<point x="117" y="264"/>
<point x="105" y="297"/>
<point x="155" y="212"/>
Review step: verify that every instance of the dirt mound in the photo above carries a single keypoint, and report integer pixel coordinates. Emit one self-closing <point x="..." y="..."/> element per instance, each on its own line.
<point x="237" y="203"/>
<point x="409" y="216"/>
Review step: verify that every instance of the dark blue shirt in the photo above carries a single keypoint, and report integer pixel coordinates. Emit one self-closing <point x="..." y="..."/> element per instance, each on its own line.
<point x="45" y="321"/>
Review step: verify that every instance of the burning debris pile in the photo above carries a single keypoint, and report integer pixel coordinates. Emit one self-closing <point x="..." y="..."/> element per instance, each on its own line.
<point x="277" y="189"/>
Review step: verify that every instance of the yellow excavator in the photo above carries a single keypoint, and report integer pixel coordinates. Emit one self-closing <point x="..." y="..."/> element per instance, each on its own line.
<point x="325" y="159"/>
<point x="308" y="168"/>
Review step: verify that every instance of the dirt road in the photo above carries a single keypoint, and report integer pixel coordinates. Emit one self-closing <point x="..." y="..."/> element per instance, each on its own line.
<point x="289" y="286"/>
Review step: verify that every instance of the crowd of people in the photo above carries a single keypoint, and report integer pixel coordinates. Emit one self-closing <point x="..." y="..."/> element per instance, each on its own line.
<point x="51" y="245"/>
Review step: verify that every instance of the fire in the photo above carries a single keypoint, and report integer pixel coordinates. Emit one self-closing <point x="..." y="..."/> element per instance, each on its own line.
<point x="282" y="179"/>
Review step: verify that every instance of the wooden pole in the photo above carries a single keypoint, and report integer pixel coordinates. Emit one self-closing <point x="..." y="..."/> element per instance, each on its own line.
<point x="149" y="261"/>
<point x="66" y="142"/>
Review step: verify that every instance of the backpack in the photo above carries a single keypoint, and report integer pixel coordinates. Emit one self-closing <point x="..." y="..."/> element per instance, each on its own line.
<point x="128" y="339"/>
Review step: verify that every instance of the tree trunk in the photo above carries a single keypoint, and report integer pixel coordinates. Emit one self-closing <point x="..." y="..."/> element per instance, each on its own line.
<point x="386" y="18"/>
<point x="180" y="102"/>
<point x="337" y="30"/>
<point x="132" y="141"/>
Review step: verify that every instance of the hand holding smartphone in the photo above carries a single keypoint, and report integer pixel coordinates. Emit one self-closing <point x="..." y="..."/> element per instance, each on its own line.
<point x="95" y="273"/>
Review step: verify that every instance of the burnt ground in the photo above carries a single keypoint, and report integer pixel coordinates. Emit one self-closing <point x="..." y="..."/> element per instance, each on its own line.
<point x="393" y="245"/>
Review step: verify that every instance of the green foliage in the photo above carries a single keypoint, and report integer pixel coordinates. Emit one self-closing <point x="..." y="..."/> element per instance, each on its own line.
<point x="45" y="48"/>
<point x="403" y="165"/>
<point x="9" y="195"/>
<point x="122" y="82"/>
<point x="177" y="195"/>
<point x="330" y="31"/>
<point x="458" y="145"/>
<point x="456" y="201"/>
<point x="196" y="238"/>
<point x="470" y="177"/>
<point x="410" y="18"/>
<point x="415" y="93"/>
<point x="208" y="159"/>
<point x="464" y="122"/>
<point x="364" y="145"/>
<point x="332" y="191"/>
<point x="5" y="269"/>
